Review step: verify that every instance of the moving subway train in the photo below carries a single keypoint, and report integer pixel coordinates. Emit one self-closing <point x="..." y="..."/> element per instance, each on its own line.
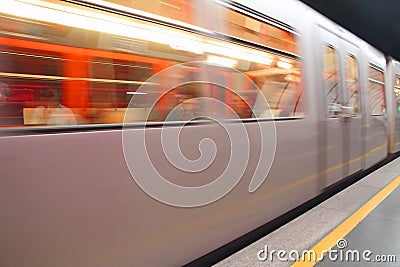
<point x="77" y="75"/>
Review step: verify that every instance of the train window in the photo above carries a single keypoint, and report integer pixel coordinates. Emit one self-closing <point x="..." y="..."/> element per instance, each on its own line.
<point x="113" y="78"/>
<point x="397" y="93"/>
<point x="352" y="83"/>
<point x="376" y="91"/>
<point x="331" y="81"/>
<point x="88" y="74"/>
<point x="29" y="77"/>
<point x="281" y="86"/>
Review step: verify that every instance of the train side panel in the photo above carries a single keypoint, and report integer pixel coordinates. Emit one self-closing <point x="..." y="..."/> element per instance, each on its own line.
<point x="67" y="198"/>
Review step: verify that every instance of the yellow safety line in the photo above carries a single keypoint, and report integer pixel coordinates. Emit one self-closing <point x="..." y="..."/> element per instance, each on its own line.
<point x="342" y="230"/>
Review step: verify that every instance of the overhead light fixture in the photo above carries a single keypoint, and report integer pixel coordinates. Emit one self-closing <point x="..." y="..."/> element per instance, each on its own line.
<point x="194" y="47"/>
<point x="136" y="93"/>
<point x="239" y="52"/>
<point x="284" y="64"/>
<point x="221" y="61"/>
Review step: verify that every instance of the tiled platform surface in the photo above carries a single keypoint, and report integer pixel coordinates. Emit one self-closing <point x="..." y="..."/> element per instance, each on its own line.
<point x="378" y="232"/>
<point x="378" y="236"/>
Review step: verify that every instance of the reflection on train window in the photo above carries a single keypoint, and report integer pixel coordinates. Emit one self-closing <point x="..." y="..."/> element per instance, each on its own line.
<point x="281" y="88"/>
<point x="55" y="74"/>
<point x="210" y="15"/>
<point x="352" y="83"/>
<point x="376" y="91"/>
<point x="397" y="93"/>
<point x="246" y="28"/>
<point x="181" y="10"/>
<point x="331" y="81"/>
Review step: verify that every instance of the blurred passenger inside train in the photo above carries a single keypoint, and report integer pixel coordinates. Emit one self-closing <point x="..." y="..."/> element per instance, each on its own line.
<point x="4" y="91"/>
<point x="10" y="112"/>
<point x="52" y="112"/>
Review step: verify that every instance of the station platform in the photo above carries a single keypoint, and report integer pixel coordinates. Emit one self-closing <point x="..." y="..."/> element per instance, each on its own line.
<point x="359" y="226"/>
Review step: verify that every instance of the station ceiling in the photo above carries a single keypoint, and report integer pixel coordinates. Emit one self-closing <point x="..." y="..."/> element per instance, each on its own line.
<point x="376" y="21"/>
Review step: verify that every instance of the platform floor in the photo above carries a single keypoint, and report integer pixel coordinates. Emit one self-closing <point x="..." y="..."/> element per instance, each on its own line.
<point x="364" y="218"/>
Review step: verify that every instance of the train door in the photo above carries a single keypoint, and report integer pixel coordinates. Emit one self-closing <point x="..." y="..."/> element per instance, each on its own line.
<point x="332" y="125"/>
<point x="352" y="108"/>
<point x="341" y="125"/>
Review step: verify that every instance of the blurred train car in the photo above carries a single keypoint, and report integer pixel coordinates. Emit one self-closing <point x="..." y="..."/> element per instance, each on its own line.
<point x="68" y="70"/>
